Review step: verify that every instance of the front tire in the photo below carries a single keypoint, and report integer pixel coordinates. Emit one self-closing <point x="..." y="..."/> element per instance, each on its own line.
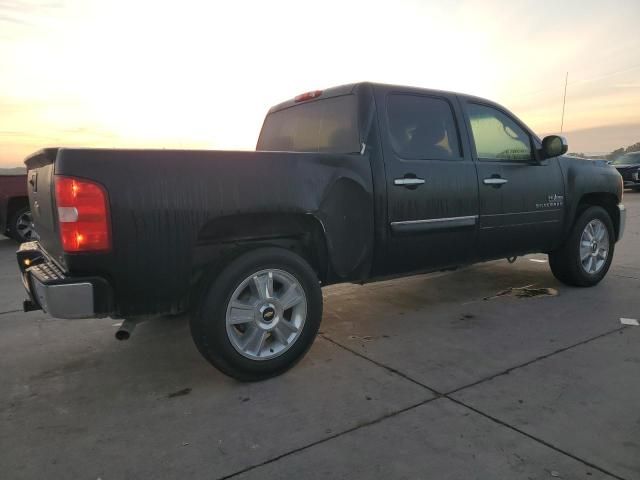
<point x="586" y="255"/>
<point x="260" y="315"/>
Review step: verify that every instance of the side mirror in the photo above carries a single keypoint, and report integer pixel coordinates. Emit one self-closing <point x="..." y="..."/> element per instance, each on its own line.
<point x="554" y="146"/>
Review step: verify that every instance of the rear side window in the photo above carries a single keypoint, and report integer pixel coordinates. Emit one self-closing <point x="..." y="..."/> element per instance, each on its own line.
<point x="329" y="126"/>
<point x="497" y="136"/>
<point x="422" y="128"/>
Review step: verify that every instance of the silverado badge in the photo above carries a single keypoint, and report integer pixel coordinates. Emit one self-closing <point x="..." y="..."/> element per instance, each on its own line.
<point x="553" y="200"/>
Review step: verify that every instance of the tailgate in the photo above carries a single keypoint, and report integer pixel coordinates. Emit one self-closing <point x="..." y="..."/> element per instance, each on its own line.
<point x="40" y="187"/>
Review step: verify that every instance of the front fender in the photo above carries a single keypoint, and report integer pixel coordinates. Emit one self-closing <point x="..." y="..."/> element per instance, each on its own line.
<point x="590" y="182"/>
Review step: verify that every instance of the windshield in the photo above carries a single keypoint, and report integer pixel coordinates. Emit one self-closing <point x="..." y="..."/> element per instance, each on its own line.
<point x="329" y="126"/>
<point x="628" y="159"/>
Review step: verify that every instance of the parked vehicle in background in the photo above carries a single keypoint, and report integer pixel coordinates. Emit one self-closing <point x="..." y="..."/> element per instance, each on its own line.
<point x="348" y="184"/>
<point x="15" y="214"/>
<point x="628" y="165"/>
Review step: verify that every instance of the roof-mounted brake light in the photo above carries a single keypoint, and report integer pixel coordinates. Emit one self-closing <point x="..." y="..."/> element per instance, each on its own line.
<point x="308" y="96"/>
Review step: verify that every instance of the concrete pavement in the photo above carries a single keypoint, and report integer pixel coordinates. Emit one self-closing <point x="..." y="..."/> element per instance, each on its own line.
<point x="423" y="377"/>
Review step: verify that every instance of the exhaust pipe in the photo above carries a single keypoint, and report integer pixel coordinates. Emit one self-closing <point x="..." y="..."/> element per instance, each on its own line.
<point x="126" y="329"/>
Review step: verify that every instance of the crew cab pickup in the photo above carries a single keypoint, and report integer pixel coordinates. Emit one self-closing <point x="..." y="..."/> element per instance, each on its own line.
<point x="348" y="184"/>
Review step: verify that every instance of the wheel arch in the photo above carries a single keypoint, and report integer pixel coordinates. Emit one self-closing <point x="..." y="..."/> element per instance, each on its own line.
<point x="223" y="239"/>
<point x="608" y="201"/>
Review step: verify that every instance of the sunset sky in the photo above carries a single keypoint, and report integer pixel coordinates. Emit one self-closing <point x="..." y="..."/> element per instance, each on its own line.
<point x="202" y="74"/>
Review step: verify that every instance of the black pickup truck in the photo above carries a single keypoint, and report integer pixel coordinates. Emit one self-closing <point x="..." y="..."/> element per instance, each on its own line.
<point x="348" y="184"/>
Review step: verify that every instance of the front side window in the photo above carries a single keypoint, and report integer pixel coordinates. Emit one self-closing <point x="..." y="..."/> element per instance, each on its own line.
<point x="497" y="136"/>
<point x="422" y="128"/>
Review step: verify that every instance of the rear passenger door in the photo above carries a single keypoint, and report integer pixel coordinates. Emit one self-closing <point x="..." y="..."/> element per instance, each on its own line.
<point x="432" y="190"/>
<point x="521" y="198"/>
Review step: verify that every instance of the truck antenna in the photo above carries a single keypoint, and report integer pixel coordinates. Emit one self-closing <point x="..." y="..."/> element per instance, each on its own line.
<point x="564" y="101"/>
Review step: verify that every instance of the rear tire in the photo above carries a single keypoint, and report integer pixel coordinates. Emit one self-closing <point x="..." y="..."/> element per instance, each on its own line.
<point x="259" y="315"/>
<point x="579" y="262"/>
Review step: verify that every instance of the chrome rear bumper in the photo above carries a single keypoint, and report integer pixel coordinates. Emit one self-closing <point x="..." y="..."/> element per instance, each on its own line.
<point x="70" y="300"/>
<point x="56" y="292"/>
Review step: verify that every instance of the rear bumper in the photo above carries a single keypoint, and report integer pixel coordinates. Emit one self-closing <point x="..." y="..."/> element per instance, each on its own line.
<point x="623" y="221"/>
<point x="57" y="293"/>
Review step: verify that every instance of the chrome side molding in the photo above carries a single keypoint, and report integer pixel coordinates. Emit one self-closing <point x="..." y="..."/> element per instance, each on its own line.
<point x="469" y="219"/>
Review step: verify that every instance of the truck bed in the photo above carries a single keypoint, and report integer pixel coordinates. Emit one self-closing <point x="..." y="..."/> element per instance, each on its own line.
<point x="171" y="212"/>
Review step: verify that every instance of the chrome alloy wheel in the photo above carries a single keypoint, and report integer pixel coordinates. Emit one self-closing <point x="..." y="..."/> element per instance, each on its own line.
<point x="266" y="314"/>
<point x="594" y="246"/>
<point x="24" y="226"/>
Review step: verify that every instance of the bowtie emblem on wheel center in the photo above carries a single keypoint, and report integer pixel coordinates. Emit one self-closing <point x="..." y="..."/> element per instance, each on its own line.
<point x="268" y="313"/>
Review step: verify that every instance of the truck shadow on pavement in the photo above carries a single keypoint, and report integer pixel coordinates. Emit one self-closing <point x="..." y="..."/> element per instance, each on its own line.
<point x="161" y="354"/>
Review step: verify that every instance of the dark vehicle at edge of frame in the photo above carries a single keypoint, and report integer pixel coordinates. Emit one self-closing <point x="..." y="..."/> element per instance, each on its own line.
<point x="348" y="184"/>
<point x="628" y="165"/>
<point x="15" y="215"/>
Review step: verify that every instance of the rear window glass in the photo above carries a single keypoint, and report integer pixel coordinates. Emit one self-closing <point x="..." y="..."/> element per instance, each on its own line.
<point x="329" y="125"/>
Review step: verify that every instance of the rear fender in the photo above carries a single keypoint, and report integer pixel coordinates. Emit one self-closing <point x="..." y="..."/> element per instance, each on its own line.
<point x="224" y="238"/>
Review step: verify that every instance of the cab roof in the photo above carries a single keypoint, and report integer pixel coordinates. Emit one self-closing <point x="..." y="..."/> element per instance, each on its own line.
<point x="350" y="88"/>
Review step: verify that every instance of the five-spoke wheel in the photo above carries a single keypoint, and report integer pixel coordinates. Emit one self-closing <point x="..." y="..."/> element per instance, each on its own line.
<point x="266" y="314"/>
<point x="594" y="246"/>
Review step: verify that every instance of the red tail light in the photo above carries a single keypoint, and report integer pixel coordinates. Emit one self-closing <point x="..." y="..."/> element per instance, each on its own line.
<point x="83" y="215"/>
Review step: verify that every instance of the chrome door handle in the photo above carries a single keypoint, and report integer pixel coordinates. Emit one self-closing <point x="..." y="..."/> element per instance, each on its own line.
<point x="495" y="181"/>
<point x="408" y="182"/>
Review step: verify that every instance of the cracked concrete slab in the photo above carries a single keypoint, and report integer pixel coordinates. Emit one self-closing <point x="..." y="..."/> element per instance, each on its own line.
<point x="440" y="440"/>
<point x="585" y="401"/>
<point x="77" y="404"/>
<point x="440" y="331"/>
